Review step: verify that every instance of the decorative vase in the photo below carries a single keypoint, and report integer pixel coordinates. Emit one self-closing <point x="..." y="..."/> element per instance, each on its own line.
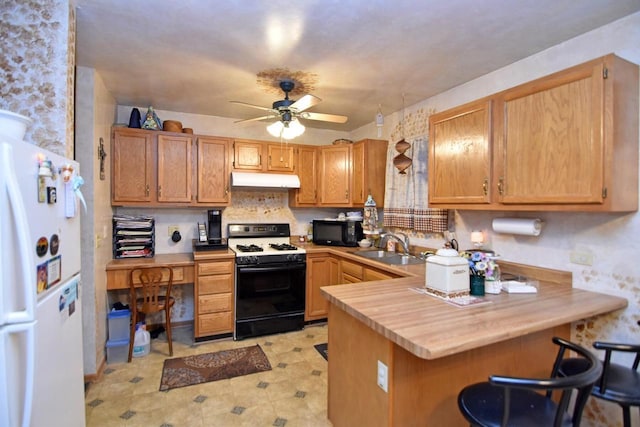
<point x="476" y="283"/>
<point x="135" y="119"/>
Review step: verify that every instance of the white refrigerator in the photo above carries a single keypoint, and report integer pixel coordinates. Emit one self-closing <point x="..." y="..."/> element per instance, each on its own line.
<point x="41" y="364"/>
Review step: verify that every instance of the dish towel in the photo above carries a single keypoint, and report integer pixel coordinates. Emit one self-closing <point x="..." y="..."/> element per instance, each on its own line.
<point x="405" y="201"/>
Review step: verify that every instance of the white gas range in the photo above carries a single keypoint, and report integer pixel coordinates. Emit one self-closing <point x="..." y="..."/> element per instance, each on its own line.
<point x="270" y="280"/>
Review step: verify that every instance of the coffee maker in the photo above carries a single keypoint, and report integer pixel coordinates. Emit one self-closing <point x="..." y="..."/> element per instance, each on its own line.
<point x="210" y="236"/>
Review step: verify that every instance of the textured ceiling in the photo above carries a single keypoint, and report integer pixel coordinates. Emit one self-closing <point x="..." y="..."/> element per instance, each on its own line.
<point x="195" y="56"/>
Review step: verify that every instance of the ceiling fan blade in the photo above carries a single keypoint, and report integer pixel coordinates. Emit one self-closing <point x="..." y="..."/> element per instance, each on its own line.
<point x="305" y="102"/>
<point x="325" y="117"/>
<point x="251" y="105"/>
<point x="255" y="119"/>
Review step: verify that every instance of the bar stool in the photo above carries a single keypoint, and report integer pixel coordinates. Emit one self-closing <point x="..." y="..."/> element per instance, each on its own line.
<point x="619" y="384"/>
<point x="513" y="401"/>
<point x="154" y="284"/>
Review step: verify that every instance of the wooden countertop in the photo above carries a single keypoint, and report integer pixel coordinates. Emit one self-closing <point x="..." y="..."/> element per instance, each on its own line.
<point x="431" y="328"/>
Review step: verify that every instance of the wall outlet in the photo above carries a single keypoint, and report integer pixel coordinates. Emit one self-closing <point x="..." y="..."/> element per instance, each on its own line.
<point x="582" y="258"/>
<point x="172" y="229"/>
<point x="383" y="376"/>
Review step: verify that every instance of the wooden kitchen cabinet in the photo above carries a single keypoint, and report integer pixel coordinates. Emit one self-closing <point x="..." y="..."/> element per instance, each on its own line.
<point x="174" y="168"/>
<point x="335" y="172"/>
<point x="162" y="169"/>
<point x="322" y="270"/>
<point x="306" y="160"/>
<point x="133" y="167"/>
<point x="568" y="142"/>
<point x="280" y="158"/>
<point x="460" y="154"/>
<point x="212" y="171"/>
<point x="247" y="155"/>
<point x="348" y="173"/>
<point x="369" y="157"/>
<point x="351" y="272"/>
<point x="213" y="291"/>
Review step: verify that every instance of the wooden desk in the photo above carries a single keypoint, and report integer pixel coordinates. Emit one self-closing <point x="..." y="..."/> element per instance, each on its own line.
<point x="181" y="264"/>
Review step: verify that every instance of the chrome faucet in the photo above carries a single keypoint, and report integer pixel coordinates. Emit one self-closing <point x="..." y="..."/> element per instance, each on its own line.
<point x="404" y="240"/>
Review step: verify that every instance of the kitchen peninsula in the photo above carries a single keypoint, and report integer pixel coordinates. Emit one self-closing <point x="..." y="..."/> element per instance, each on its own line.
<point x="432" y="349"/>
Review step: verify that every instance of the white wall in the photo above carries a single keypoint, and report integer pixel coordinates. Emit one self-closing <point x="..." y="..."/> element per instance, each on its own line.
<point x="612" y="239"/>
<point x="95" y="111"/>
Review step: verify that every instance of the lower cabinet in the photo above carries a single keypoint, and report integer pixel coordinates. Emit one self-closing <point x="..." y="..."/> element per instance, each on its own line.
<point x="328" y="270"/>
<point x="213" y="294"/>
<point x="322" y="270"/>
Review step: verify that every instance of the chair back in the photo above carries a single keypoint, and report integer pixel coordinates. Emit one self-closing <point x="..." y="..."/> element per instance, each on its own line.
<point x="154" y="284"/>
<point x="581" y="381"/>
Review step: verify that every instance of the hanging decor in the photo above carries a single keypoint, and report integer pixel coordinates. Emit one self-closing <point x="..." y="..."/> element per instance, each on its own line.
<point x="379" y="120"/>
<point x="402" y="161"/>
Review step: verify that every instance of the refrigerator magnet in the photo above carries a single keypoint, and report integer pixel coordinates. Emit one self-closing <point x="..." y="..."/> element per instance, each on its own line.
<point x="42" y="246"/>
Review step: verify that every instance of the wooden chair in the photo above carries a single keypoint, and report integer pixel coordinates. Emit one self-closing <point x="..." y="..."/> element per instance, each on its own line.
<point x="154" y="284"/>
<point x="511" y="401"/>
<point x="619" y="384"/>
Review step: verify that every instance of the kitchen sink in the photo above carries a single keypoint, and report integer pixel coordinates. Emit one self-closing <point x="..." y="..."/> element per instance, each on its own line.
<point x="390" y="257"/>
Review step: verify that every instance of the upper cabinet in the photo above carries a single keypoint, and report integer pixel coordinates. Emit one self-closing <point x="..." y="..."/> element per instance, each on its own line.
<point x="133" y="167"/>
<point x="259" y="156"/>
<point x="306" y="160"/>
<point x="335" y="172"/>
<point x="247" y="155"/>
<point x="568" y="141"/>
<point x="151" y="168"/>
<point x="213" y="171"/>
<point x="350" y="172"/>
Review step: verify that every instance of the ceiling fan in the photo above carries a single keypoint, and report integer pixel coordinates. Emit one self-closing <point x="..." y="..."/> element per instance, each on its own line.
<point x="288" y="111"/>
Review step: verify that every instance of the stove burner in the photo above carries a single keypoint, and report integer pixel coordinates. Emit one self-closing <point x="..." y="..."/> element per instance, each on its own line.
<point x="283" y="247"/>
<point x="249" y="248"/>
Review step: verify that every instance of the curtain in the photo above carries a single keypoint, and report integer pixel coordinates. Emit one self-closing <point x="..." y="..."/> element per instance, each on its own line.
<point x="405" y="202"/>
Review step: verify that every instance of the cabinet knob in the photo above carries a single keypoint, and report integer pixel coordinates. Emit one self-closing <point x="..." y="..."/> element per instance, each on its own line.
<point x="501" y="186"/>
<point x="159" y="191"/>
<point x="485" y="186"/>
<point x="147" y="190"/>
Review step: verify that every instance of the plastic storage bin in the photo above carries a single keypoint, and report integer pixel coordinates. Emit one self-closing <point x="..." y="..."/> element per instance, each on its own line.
<point x="119" y="325"/>
<point x="117" y="351"/>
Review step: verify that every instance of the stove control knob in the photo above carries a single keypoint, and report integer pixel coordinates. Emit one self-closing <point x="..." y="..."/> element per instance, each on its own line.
<point x="293" y="257"/>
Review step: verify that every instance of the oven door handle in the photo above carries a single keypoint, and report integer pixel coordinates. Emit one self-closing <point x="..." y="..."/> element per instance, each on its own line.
<point x="268" y="269"/>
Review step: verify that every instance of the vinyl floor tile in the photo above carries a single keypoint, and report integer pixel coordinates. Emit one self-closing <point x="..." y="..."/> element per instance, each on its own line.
<point x="293" y="393"/>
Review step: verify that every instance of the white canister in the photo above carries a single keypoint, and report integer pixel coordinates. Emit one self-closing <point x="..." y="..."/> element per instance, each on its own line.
<point x="447" y="273"/>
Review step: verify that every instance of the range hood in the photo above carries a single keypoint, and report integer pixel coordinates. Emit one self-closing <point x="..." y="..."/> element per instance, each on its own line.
<point x="264" y="180"/>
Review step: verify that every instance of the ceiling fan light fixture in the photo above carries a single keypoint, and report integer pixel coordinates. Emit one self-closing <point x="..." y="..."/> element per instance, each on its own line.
<point x="286" y="130"/>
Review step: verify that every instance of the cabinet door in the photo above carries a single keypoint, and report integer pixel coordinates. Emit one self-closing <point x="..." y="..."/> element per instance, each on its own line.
<point x="247" y="155"/>
<point x="132" y="166"/>
<point x="321" y="271"/>
<point x="459" y="154"/>
<point x="280" y="158"/>
<point x="335" y="166"/>
<point x="306" y="161"/>
<point x="174" y="169"/>
<point x="551" y="146"/>
<point x="358" y="195"/>
<point x="213" y="171"/>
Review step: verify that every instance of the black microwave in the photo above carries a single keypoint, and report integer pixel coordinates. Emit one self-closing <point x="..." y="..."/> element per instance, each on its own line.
<point x="337" y="232"/>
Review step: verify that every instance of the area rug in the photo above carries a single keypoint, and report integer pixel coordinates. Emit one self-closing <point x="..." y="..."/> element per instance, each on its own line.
<point x="323" y="350"/>
<point x="202" y="368"/>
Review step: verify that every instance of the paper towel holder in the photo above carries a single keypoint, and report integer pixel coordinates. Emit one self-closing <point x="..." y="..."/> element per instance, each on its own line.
<point x="519" y="226"/>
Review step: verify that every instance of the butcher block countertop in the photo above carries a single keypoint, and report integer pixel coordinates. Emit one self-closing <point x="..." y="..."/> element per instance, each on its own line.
<point x="430" y="328"/>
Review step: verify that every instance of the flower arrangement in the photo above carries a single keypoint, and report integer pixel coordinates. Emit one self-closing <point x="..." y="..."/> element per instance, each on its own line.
<point x="481" y="264"/>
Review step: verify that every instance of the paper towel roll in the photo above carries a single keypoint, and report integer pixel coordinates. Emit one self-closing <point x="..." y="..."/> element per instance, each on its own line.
<point x="524" y="226"/>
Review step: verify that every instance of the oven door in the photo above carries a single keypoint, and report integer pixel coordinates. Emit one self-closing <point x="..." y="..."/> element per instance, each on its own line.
<point x="269" y="290"/>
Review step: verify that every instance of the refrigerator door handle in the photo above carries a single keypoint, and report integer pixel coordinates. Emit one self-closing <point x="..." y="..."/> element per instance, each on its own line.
<point x="17" y="207"/>
<point x="7" y="389"/>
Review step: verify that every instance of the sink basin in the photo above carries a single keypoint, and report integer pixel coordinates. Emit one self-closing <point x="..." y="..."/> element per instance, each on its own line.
<point x="374" y="254"/>
<point x="390" y="257"/>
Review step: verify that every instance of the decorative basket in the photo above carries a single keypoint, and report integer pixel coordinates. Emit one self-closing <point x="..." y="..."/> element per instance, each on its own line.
<point x="172" y="126"/>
